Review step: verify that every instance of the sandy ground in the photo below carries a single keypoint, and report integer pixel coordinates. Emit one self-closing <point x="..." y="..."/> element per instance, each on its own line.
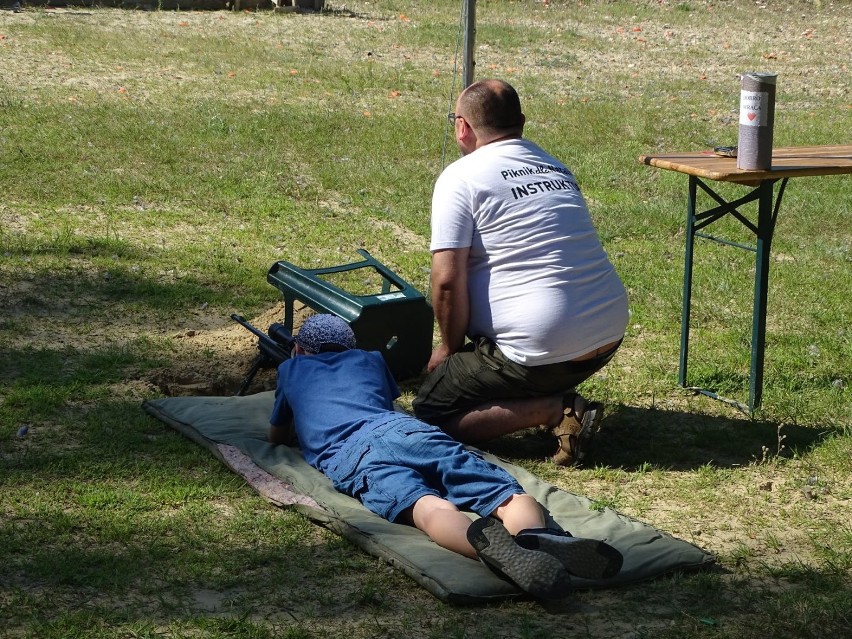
<point x="230" y="353"/>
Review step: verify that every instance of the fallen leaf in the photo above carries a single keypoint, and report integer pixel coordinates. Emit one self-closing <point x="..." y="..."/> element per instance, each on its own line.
<point x="294" y="72"/>
<point x="367" y="114"/>
<point x="231" y="74"/>
<point x="122" y="90"/>
<point x="394" y="94"/>
<point x="183" y="24"/>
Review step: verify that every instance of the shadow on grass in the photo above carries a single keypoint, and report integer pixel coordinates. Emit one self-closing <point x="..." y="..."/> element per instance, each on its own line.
<point x="634" y="438"/>
<point x="75" y="277"/>
<point x="93" y="292"/>
<point x="38" y="383"/>
<point x="114" y="506"/>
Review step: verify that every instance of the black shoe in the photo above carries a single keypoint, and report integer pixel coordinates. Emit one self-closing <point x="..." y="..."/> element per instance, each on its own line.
<point x="585" y="558"/>
<point x="537" y="573"/>
<point x="16" y="6"/>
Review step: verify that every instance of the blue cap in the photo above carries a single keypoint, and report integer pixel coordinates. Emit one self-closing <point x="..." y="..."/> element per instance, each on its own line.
<point x="323" y="333"/>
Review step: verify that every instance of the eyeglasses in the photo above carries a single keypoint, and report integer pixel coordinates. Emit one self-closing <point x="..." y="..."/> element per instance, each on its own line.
<point x="452" y="117"/>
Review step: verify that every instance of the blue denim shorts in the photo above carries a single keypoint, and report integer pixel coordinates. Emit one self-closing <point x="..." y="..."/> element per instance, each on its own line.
<point x="389" y="468"/>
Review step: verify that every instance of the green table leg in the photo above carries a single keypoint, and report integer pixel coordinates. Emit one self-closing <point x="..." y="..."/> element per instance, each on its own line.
<point x="687" y="281"/>
<point x="767" y="214"/>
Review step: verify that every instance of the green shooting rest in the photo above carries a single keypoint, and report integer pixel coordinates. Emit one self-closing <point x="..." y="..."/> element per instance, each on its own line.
<point x="386" y="313"/>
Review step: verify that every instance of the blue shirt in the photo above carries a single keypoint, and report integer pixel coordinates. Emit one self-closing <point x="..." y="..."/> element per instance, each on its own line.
<point x="332" y="398"/>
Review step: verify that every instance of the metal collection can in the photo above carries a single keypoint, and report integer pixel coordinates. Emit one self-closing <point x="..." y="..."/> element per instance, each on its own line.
<point x="757" y="121"/>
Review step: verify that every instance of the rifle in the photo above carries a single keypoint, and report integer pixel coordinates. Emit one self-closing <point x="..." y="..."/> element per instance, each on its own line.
<point x="274" y="348"/>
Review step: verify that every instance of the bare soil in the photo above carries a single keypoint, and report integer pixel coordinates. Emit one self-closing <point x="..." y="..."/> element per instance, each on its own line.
<point x="230" y="352"/>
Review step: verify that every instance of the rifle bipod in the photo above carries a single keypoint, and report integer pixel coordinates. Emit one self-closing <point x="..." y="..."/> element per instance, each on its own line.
<point x="274" y="347"/>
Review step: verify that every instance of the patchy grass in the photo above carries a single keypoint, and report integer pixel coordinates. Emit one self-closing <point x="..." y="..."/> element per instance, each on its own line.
<point x="155" y="164"/>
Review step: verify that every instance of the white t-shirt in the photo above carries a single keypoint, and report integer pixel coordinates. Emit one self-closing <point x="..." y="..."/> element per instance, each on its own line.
<point x="540" y="284"/>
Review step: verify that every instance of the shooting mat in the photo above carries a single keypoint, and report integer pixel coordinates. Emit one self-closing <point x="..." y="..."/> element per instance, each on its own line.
<point x="234" y="430"/>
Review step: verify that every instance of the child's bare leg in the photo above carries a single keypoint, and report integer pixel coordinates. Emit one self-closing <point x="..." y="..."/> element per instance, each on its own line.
<point x="520" y="512"/>
<point x="445" y="524"/>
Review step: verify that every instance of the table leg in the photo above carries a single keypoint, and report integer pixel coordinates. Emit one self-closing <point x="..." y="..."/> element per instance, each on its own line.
<point x="768" y="205"/>
<point x="767" y="215"/>
<point x="761" y="283"/>
<point x="687" y="281"/>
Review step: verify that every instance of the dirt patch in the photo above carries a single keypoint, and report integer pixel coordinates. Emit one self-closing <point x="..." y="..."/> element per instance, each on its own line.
<point x="217" y="361"/>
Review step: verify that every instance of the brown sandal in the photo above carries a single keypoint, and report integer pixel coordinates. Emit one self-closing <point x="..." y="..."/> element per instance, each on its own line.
<point x="574" y="432"/>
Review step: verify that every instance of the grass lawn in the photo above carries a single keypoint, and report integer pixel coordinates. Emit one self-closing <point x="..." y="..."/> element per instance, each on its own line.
<point x="155" y="164"/>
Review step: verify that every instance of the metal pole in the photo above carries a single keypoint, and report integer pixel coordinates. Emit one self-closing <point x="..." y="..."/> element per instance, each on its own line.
<point x="469" y="38"/>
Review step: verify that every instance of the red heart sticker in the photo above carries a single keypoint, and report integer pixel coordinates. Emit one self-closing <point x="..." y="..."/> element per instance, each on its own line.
<point x="752" y="115"/>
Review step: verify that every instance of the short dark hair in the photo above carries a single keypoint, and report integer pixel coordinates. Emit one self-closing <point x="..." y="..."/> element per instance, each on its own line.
<point x="492" y="105"/>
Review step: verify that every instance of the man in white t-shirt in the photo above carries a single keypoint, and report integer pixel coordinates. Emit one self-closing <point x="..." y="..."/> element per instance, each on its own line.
<point x="517" y="267"/>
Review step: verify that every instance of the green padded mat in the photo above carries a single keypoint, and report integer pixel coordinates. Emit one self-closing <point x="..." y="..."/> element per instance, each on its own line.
<point x="234" y="429"/>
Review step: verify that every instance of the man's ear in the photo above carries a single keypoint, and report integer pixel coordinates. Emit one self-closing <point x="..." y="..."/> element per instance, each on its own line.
<point x="465" y="137"/>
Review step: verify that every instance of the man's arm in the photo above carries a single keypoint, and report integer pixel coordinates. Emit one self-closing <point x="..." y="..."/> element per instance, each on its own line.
<point x="450" y="301"/>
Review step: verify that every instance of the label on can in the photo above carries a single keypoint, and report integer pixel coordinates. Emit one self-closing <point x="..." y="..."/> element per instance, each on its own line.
<point x="753" y="108"/>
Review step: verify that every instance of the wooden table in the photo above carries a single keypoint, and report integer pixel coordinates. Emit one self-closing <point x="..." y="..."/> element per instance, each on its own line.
<point x="805" y="161"/>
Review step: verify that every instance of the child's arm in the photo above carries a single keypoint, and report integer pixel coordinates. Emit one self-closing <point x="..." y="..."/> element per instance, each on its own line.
<point x="281" y="426"/>
<point x="283" y="434"/>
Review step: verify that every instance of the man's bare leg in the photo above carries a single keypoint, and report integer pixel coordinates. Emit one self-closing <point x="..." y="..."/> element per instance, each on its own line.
<point x="495" y="419"/>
